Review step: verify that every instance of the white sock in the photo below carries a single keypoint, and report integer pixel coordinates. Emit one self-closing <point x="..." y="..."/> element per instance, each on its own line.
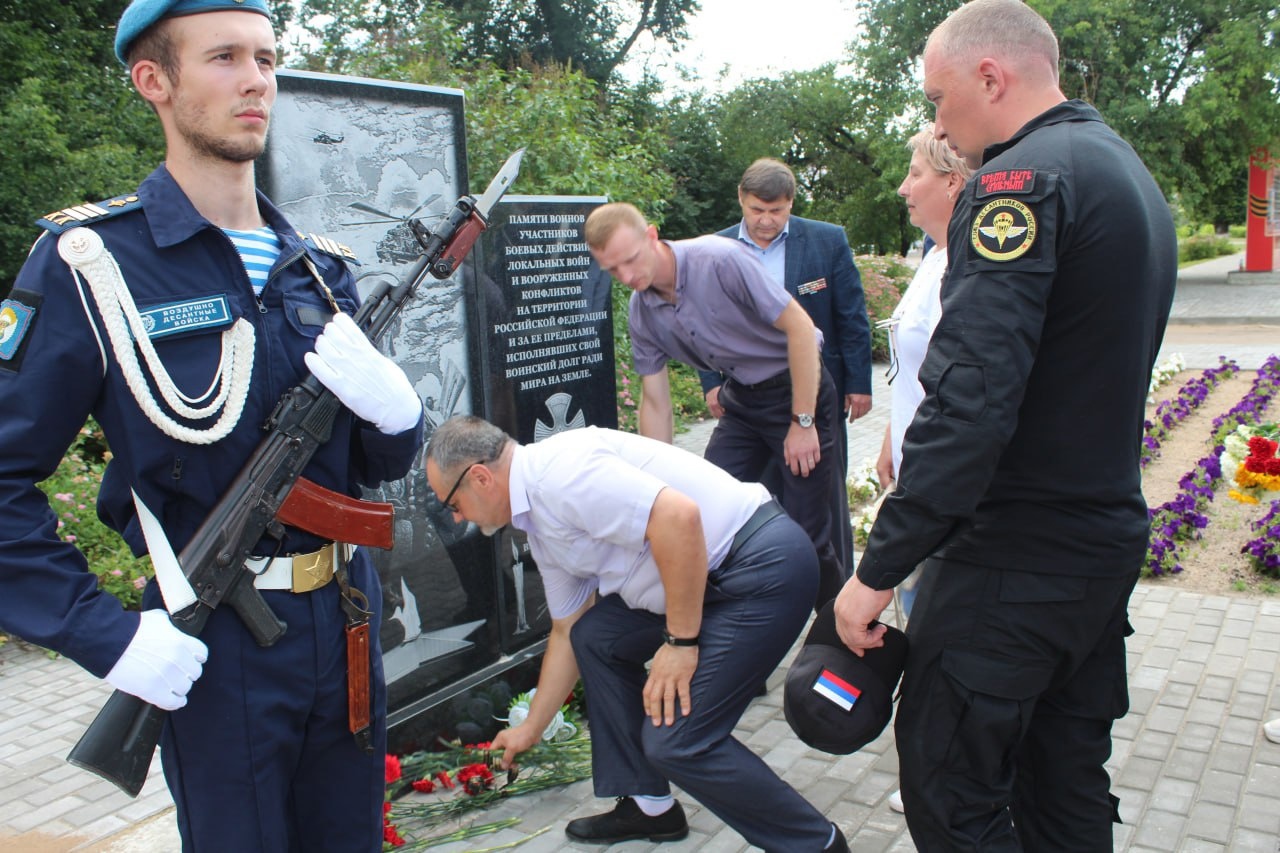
<point x="653" y="806"/>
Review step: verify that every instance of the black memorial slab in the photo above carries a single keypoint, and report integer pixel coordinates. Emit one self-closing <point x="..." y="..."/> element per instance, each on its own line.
<point x="351" y="159"/>
<point x="546" y="354"/>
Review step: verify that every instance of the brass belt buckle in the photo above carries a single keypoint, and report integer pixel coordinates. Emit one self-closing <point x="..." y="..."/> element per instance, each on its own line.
<point x="312" y="571"/>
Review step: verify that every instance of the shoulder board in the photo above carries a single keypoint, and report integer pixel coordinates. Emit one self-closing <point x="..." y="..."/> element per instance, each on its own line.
<point x="80" y="214"/>
<point x="330" y="247"/>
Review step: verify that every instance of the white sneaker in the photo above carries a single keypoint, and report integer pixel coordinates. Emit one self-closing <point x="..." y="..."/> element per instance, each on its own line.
<point x="1272" y="730"/>
<point x="895" y="799"/>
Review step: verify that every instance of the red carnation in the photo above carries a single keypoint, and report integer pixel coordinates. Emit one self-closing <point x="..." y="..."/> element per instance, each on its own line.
<point x="424" y="785"/>
<point x="1262" y="447"/>
<point x="1272" y="466"/>
<point x="1256" y="465"/>
<point x="475" y="778"/>
<point x="393" y="769"/>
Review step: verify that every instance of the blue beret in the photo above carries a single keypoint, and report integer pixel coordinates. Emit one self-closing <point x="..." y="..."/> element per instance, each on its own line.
<point x="143" y="13"/>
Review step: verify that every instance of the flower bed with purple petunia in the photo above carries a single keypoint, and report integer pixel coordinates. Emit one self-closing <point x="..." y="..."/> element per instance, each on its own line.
<point x="1264" y="551"/>
<point x="1173" y="411"/>
<point x="1182" y="519"/>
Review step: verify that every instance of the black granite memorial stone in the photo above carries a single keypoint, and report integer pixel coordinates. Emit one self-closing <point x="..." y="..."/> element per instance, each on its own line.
<point x="546" y="341"/>
<point x="352" y="160"/>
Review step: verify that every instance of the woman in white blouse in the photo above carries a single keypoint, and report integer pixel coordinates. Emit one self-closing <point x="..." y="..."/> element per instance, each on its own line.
<point x="934" y="179"/>
<point x="933" y="182"/>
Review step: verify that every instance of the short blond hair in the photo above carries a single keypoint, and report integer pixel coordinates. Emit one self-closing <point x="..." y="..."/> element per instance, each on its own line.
<point x="938" y="154"/>
<point x="608" y="218"/>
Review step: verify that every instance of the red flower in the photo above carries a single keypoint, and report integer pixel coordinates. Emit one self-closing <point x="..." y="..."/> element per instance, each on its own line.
<point x="1272" y="467"/>
<point x="386" y="809"/>
<point x="393" y="769"/>
<point x="1256" y="465"/>
<point x="475" y="778"/>
<point x="424" y="785"/>
<point x="444" y="780"/>
<point x="391" y="836"/>
<point x="1262" y="447"/>
<point x="480" y="746"/>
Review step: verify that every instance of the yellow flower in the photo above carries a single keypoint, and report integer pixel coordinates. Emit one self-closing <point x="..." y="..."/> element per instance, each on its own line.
<point x="1243" y="498"/>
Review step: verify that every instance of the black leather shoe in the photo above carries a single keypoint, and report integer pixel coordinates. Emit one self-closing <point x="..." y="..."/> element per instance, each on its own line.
<point x="626" y="822"/>
<point x="840" y="845"/>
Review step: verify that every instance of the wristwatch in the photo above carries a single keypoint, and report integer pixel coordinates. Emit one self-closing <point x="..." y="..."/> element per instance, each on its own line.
<point x="804" y="420"/>
<point x="678" y="641"/>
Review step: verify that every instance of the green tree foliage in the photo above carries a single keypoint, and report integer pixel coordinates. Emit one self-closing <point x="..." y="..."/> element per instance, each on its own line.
<point x="704" y="195"/>
<point x="844" y="147"/>
<point x="586" y="34"/>
<point x="1193" y="85"/>
<point x="592" y="37"/>
<point x="74" y="131"/>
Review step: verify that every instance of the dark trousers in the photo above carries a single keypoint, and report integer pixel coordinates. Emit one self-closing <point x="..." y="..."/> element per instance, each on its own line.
<point x="747" y="442"/>
<point x="1013" y="681"/>
<point x="755" y="606"/>
<point x="841" y="522"/>
<point x="261" y="759"/>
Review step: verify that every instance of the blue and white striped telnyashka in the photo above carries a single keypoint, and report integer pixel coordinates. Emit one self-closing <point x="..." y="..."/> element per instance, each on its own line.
<point x="259" y="250"/>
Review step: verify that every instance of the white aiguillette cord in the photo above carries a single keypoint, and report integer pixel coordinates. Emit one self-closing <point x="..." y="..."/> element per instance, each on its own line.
<point x="83" y="250"/>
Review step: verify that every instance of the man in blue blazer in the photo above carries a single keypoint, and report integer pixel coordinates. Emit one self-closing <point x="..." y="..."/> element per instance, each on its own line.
<point x="813" y="262"/>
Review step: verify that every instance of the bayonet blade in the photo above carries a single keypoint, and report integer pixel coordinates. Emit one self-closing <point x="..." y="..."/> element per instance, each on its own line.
<point x="498" y="186"/>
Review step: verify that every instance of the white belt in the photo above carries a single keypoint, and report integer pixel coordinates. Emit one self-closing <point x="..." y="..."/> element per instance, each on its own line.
<point x="299" y="573"/>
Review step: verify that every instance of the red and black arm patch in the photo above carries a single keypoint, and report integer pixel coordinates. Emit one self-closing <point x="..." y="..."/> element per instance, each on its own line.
<point x="1012" y="217"/>
<point x="1005" y="182"/>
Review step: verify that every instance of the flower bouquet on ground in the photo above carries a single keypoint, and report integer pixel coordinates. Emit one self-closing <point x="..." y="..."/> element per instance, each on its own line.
<point x="1249" y="458"/>
<point x="863" y="483"/>
<point x="445" y="785"/>
<point x="865" y="519"/>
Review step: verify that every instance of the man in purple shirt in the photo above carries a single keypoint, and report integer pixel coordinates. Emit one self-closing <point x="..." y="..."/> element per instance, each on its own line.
<point x="708" y="303"/>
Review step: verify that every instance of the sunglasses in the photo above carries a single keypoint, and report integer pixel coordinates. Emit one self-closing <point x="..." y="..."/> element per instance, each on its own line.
<point x="448" y="502"/>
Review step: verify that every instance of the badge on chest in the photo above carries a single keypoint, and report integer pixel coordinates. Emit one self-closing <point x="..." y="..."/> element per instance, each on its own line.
<point x="174" y="318"/>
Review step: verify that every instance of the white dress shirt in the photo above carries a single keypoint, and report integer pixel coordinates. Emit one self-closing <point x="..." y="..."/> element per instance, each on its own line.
<point x="584" y="498"/>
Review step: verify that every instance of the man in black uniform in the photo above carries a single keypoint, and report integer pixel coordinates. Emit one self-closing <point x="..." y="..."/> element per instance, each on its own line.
<point x="1020" y="471"/>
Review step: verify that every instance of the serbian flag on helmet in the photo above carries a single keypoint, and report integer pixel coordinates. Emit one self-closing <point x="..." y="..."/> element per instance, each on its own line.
<point x="836" y="689"/>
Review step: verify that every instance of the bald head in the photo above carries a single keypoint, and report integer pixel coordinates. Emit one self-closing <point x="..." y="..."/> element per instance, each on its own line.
<point x="989" y="68"/>
<point x="1006" y="30"/>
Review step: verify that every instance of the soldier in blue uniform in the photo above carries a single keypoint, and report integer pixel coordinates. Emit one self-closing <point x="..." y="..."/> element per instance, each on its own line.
<point x="177" y="316"/>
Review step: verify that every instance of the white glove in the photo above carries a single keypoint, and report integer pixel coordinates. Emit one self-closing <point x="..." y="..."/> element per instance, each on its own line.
<point x="160" y="664"/>
<point x="368" y="383"/>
